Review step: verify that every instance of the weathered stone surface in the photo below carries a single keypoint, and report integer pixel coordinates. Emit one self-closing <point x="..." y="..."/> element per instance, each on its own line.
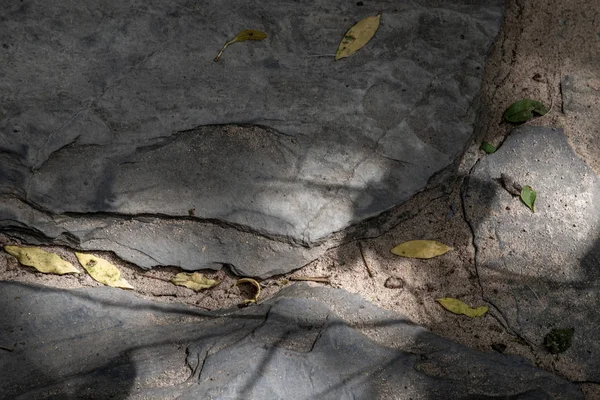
<point x="542" y="269"/>
<point x="580" y="95"/>
<point x="118" y="109"/>
<point x="150" y="241"/>
<point x="305" y="343"/>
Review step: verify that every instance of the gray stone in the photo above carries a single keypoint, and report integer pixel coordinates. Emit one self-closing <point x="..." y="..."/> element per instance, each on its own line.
<point x="119" y="110"/>
<point x="150" y="241"/>
<point x="542" y="269"/>
<point x="305" y="343"/>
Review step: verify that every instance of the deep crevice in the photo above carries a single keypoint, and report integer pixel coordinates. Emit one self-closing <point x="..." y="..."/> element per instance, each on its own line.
<point x="504" y="321"/>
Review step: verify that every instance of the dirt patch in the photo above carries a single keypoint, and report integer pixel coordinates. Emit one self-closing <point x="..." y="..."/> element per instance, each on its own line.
<point x="547" y="51"/>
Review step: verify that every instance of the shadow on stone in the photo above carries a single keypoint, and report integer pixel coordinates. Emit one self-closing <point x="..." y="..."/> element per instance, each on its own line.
<point x="107" y="343"/>
<point x="540" y="268"/>
<point x="142" y="145"/>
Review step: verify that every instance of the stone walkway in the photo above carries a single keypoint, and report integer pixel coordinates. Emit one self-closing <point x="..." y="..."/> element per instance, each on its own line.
<point x="305" y="343"/>
<point x="127" y="134"/>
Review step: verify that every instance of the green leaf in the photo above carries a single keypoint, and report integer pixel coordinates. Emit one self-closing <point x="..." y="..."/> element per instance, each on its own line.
<point x="559" y="340"/>
<point x="458" y="307"/>
<point x="522" y="111"/>
<point x="43" y="261"/>
<point x="248" y="34"/>
<point x="195" y="281"/>
<point x="102" y="271"/>
<point x="528" y="196"/>
<point x="358" y="36"/>
<point x="420" y="249"/>
<point x="488" y="148"/>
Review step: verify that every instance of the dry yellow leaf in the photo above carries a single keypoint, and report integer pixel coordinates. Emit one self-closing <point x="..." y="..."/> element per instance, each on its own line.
<point x="421" y="249"/>
<point x="458" y="307"/>
<point x="358" y="36"/>
<point x="255" y="283"/>
<point x="102" y="271"/>
<point x="248" y="34"/>
<point x="43" y="261"/>
<point x="195" y="281"/>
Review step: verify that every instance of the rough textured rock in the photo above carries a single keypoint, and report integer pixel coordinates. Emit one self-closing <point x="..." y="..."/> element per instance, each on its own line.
<point x="119" y="110"/>
<point x="542" y="269"/>
<point x="305" y="343"/>
<point x="580" y="95"/>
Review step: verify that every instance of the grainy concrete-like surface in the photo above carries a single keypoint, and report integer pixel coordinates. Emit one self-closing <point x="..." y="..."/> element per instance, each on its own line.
<point x="118" y="111"/>
<point x="540" y="269"/>
<point x="305" y="343"/>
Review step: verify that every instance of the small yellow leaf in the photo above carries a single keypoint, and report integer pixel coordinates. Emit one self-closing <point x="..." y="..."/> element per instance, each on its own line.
<point x="102" y="271"/>
<point x="358" y="36"/>
<point x="43" y="261"/>
<point x="421" y="249"/>
<point x="195" y="281"/>
<point x="458" y="307"/>
<point x="248" y="34"/>
<point x="255" y="283"/>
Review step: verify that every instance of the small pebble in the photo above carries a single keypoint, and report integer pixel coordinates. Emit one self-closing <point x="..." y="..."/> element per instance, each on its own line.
<point x="499" y="347"/>
<point x="394" y="283"/>
<point x="538" y="78"/>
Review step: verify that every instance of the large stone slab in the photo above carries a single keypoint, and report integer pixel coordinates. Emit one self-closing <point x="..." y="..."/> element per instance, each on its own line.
<point x="542" y="269"/>
<point x="119" y="110"/>
<point x="306" y="343"/>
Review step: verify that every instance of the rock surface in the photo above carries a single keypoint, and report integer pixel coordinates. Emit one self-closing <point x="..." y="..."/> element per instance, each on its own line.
<point x="120" y="112"/>
<point x="305" y="343"/>
<point x="542" y="269"/>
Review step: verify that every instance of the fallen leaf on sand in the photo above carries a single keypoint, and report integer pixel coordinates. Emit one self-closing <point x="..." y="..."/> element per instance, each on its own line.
<point x="522" y="111"/>
<point x="421" y="249"/>
<point x="43" y="261"/>
<point x="253" y="282"/>
<point x="488" y="148"/>
<point x="358" y="36"/>
<point x="102" y="271"/>
<point x="458" y="307"/>
<point x="195" y="281"/>
<point x="248" y="34"/>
